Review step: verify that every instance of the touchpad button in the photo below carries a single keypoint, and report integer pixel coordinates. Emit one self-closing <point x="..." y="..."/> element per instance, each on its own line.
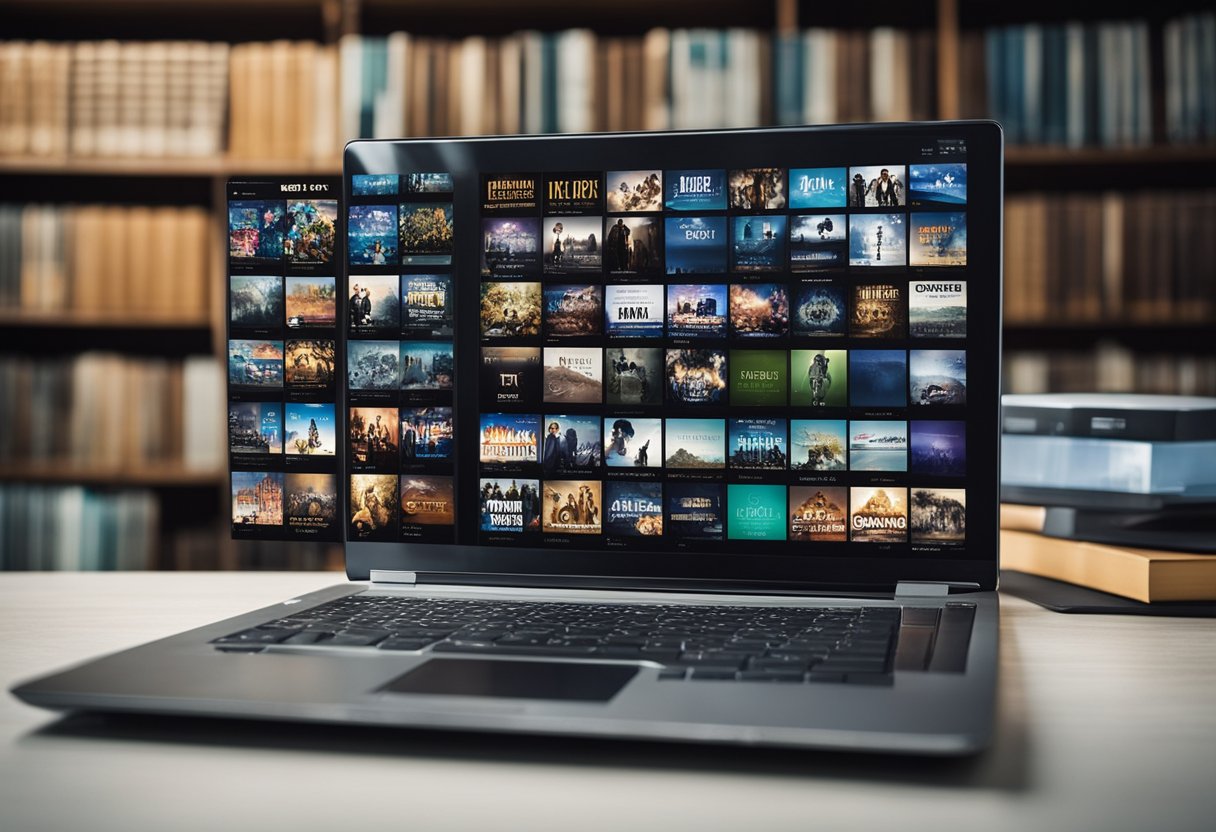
<point x="514" y="679"/>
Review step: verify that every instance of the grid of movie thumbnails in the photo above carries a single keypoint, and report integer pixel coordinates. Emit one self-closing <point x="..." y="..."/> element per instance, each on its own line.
<point x="679" y="360"/>
<point x="283" y="262"/>
<point x="400" y="361"/>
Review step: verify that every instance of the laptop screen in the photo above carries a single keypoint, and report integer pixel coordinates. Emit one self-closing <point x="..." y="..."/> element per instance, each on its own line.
<point x="754" y="355"/>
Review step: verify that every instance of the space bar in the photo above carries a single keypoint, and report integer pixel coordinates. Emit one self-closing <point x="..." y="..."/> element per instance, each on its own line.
<point x="513" y="649"/>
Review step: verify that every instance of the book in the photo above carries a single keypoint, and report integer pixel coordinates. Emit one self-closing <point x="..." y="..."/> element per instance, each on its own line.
<point x="1143" y="575"/>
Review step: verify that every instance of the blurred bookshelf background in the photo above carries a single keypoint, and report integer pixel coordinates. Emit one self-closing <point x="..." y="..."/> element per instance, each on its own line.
<point x="120" y="122"/>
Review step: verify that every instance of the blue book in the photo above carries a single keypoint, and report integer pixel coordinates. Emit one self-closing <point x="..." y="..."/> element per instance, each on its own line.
<point x="994" y="59"/>
<point x="788" y="73"/>
<point x="1055" y="84"/>
<point x="1015" y="77"/>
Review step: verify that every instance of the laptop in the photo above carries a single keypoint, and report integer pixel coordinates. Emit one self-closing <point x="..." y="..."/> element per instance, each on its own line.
<point x="694" y="437"/>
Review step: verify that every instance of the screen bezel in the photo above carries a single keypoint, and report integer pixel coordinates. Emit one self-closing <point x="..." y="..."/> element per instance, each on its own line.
<point x="466" y="159"/>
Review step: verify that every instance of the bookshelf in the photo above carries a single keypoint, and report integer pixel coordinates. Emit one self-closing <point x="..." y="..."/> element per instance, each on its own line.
<point x="943" y="37"/>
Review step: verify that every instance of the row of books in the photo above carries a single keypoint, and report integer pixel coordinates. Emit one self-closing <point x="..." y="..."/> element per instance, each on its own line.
<point x="1114" y="256"/>
<point x="110" y="98"/>
<point x="72" y="527"/>
<point x="1110" y="368"/>
<point x="107" y="411"/>
<point x="1074" y="84"/>
<point x="105" y="258"/>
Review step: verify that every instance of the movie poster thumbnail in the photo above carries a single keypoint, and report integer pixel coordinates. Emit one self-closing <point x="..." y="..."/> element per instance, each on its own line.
<point x="510" y="246"/>
<point x="878" y="445"/>
<point x="819" y="445"/>
<point x="695" y="245"/>
<point x="372" y="437"/>
<point x="427" y="365"/>
<point x="633" y="508"/>
<point x="759" y="310"/>
<point x="695" y="511"/>
<point x="371" y="235"/>
<point x="573" y="193"/>
<point x="573" y="375"/>
<point x="573" y="309"/>
<point x="426" y="183"/>
<point x="694" y="444"/>
<point x="257" y="499"/>
<point x="938" y="240"/>
<point x="570" y="443"/>
<point x="509" y="504"/>
<point x="311" y="231"/>
<point x="877" y="240"/>
<point x="633" y="245"/>
<point x="633" y="442"/>
<point x="312" y="302"/>
<point x="427" y="304"/>
<point x="697" y="310"/>
<point x="427" y="501"/>
<point x="939" y="448"/>
<point x="937" y="309"/>
<point x="255" y="428"/>
<point x="937" y="377"/>
<point x="878" y="378"/>
<point x="938" y="515"/>
<point x="633" y="375"/>
<point x="696" y="376"/>
<point x="878" y="515"/>
<point x="819" y="515"/>
<point x="876" y="186"/>
<point x="311" y="505"/>
<point x="427" y="433"/>
<point x="372" y="507"/>
<point x="309" y="429"/>
<point x="373" y="184"/>
<point x="510" y="310"/>
<point x="817" y="188"/>
<point x="309" y="364"/>
<point x="510" y="375"/>
<point x="758" y="243"/>
<point x="944" y="183"/>
<point x="510" y="192"/>
<point x="374" y="306"/>
<point x="756" y="512"/>
<point x="373" y="365"/>
<point x="255" y="231"/>
<point x="255" y="301"/>
<point x="759" y="378"/>
<point x="696" y="190"/>
<point x="509" y="438"/>
<point x="758" y="444"/>
<point x="572" y="244"/>
<point x="634" y="191"/>
<point x="819" y="378"/>
<point x="756" y="189"/>
<point x="818" y="242"/>
<point x="255" y="363"/>
<point x="633" y="310"/>
<point x="879" y="310"/>
<point x="820" y="308"/>
<point x="571" y="507"/>
<point x="425" y="232"/>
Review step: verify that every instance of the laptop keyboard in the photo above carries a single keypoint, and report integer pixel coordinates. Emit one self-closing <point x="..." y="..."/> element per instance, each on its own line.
<point x="779" y="644"/>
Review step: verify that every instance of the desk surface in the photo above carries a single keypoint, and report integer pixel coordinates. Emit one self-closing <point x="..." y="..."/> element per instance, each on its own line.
<point x="1105" y="723"/>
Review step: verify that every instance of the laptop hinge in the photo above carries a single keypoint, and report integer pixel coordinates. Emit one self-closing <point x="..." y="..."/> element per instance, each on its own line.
<point x="931" y="589"/>
<point x="393" y="576"/>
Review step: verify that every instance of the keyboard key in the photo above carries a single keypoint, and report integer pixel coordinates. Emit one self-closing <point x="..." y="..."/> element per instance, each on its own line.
<point x="712" y="673"/>
<point x="258" y="635"/>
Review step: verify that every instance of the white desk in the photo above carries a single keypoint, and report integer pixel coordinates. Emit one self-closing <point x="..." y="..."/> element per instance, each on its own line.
<point x="1106" y="723"/>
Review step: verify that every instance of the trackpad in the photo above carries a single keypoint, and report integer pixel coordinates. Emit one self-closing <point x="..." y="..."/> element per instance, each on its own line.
<point x="514" y="679"/>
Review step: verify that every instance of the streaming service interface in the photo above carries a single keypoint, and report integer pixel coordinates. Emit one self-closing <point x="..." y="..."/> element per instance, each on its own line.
<point x="769" y="359"/>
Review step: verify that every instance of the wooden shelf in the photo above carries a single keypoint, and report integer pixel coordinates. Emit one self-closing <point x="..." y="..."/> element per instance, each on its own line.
<point x="1156" y="155"/>
<point x="164" y="475"/>
<point x="1114" y="327"/>
<point x="204" y="166"/>
<point x="80" y="319"/>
